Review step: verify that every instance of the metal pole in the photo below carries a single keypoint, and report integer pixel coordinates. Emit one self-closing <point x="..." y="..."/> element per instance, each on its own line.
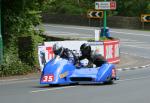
<point x="1" y="43"/>
<point x="143" y="25"/>
<point x="105" y="21"/>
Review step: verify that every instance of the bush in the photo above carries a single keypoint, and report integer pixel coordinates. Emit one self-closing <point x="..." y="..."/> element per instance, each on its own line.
<point x="13" y="66"/>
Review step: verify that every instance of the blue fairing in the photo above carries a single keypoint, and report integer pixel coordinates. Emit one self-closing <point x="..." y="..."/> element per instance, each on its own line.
<point x="104" y="72"/>
<point x="99" y="74"/>
<point x="58" y="68"/>
<point x="61" y="71"/>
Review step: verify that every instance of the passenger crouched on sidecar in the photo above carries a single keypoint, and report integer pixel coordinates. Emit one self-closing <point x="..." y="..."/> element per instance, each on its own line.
<point x="93" y="58"/>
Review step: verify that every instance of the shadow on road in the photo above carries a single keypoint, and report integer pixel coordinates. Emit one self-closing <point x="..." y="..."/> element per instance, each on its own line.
<point x="81" y="84"/>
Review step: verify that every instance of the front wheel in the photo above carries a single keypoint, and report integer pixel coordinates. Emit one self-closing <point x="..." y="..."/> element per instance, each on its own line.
<point x="53" y="85"/>
<point x="109" y="80"/>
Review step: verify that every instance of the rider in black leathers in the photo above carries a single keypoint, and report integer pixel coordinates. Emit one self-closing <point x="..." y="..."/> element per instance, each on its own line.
<point x="93" y="57"/>
<point x="64" y="53"/>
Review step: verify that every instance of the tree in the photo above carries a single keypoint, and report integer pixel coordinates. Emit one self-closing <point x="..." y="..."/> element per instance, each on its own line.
<point x="132" y="7"/>
<point x="20" y="17"/>
<point x="124" y="7"/>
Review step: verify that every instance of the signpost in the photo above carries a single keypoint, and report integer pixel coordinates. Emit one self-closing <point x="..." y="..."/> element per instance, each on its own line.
<point x="145" y="18"/>
<point x="1" y="45"/>
<point x="105" y="6"/>
<point x="95" y="14"/>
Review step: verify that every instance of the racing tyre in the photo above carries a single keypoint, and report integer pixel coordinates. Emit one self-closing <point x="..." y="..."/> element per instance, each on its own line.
<point x="109" y="81"/>
<point x="53" y="85"/>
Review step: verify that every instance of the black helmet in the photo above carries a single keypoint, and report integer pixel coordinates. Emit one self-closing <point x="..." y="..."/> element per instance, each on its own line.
<point x="85" y="49"/>
<point x="57" y="49"/>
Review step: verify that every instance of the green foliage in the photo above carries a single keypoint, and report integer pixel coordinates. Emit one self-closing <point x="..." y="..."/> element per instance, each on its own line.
<point x="124" y="7"/>
<point x="132" y="7"/>
<point x="36" y="39"/>
<point x="20" y="17"/>
<point x="14" y="68"/>
<point x="12" y="64"/>
<point x="70" y="6"/>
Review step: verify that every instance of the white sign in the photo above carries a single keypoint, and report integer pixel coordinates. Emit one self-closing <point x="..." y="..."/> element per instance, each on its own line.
<point x="105" y="5"/>
<point x="97" y="35"/>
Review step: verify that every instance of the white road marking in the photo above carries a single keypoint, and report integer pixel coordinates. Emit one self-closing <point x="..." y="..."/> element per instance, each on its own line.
<point x="134" y="43"/>
<point x="89" y="28"/>
<point x="145" y="77"/>
<point x="14" y="81"/>
<point x="60" y="33"/>
<point x="60" y="88"/>
<point x="131" y="42"/>
<point x="130" y="33"/>
<point x="127" y="40"/>
<point x="135" y="55"/>
<point x="137" y="46"/>
<point x="51" y="89"/>
<point x="71" y="27"/>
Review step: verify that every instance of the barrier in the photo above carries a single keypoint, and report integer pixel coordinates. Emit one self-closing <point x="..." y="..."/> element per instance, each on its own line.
<point x="111" y="51"/>
<point x="108" y="48"/>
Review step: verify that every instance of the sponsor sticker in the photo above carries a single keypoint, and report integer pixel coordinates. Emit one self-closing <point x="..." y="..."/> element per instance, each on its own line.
<point x="63" y="75"/>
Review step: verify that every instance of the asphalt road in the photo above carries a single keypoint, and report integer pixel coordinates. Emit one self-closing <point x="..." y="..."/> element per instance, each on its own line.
<point x="133" y="86"/>
<point x="134" y="42"/>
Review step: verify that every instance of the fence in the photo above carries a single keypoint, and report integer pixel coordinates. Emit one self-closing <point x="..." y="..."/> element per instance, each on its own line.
<point x="112" y="21"/>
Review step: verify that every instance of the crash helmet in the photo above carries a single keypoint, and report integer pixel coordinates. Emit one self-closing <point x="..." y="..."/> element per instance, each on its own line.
<point x="85" y="49"/>
<point x="57" y="49"/>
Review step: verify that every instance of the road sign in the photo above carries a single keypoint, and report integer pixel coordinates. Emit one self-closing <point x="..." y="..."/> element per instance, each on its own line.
<point x="105" y="5"/>
<point x="95" y="14"/>
<point x="145" y="18"/>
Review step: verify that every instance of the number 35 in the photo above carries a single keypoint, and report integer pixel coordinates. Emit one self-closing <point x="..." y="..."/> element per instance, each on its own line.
<point x="48" y="78"/>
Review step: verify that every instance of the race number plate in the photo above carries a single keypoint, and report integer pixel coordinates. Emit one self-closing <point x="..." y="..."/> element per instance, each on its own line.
<point x="48" y="78"/>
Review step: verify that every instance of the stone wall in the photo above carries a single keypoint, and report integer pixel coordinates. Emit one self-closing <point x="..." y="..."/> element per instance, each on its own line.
<point x="113" y="21"/>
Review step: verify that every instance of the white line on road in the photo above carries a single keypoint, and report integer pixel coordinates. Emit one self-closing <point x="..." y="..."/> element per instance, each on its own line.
<point x="135" y="55"/>
<point x="60" y="88"/>
<point x="70" y="27"/>
<point x="134" y="79"/>
<point x="129" y="33"/>
<point x="60" y="33"/>
<point x="89" y="28"/>
<point x="51" y="89"/>
<point x="14" y="81"/>
<point x="137" y="46"/>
